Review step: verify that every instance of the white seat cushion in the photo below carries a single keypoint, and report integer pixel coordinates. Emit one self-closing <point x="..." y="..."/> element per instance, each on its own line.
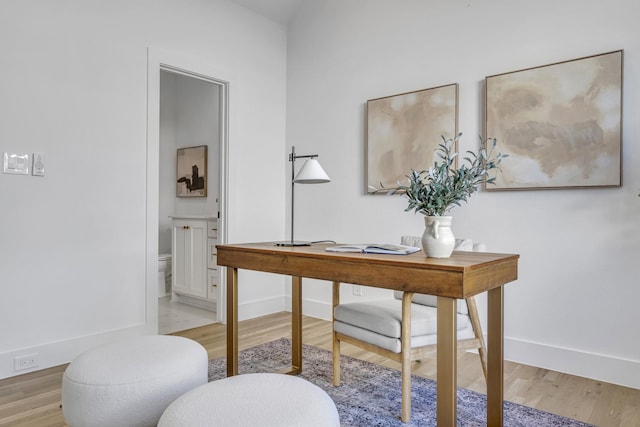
<point x="385" y="317"/>
<point x="393" y="344"/>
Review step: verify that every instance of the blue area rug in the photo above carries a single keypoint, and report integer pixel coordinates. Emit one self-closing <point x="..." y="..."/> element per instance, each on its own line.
<point x="370" y="394"/>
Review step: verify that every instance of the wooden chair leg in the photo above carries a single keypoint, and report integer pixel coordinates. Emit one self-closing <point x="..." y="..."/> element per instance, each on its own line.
<point x="477" y="330"/>
<point x="483" y="360"/>
<point x="336" y="360"/>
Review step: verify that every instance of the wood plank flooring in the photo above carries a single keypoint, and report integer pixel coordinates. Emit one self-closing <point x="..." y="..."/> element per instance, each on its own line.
<point x="33" y="400"/>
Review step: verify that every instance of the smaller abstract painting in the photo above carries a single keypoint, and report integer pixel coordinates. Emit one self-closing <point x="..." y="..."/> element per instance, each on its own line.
<point x="560" y="124"/>
<point x="403" y="131"/>
<point x="192" y="172"/>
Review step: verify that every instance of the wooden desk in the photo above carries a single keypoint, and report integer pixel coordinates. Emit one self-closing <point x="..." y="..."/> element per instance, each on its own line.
<point x="462" y="275"/>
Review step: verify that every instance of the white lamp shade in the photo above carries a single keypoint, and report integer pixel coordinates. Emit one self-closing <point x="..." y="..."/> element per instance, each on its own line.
<point x="311" y="173"/>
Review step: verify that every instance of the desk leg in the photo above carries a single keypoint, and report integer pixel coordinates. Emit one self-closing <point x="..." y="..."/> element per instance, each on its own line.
<point x="296" y="325"/>
<point x="336" y="343"/>
<point x="495" y="356"/>
<point x="405" y="338"/>
<point x="446" y="348"/>
<point x="232" y="321"/>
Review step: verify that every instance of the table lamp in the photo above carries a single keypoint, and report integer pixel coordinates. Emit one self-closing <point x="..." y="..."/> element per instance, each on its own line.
<point x="310" y="173"/>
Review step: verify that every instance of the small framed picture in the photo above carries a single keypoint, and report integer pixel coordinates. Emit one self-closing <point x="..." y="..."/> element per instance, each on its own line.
<point x="191" y="172"/>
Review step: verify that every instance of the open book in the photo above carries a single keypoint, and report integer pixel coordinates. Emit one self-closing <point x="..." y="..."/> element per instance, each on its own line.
<point x="374" y="248"/>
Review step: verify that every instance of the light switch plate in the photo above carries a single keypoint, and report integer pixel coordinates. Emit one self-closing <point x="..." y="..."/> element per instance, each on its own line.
<point x="16" y="163"/>
<point x="38" y="164"/>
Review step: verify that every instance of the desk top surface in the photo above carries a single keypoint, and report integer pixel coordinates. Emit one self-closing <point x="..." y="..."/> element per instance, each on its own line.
<point x="462" y="275"/>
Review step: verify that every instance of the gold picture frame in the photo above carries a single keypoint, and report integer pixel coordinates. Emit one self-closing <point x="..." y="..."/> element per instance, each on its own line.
<point x="403" y="131"/>
<point x="560" y="124"/>
<point x="191" y="171"/>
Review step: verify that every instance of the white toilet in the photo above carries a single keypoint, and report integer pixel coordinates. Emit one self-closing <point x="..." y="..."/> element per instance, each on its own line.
<point x="164" y="275"/>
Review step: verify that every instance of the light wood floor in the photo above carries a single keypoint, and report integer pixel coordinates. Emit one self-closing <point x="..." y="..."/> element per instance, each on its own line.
<point x="33" y="400"/>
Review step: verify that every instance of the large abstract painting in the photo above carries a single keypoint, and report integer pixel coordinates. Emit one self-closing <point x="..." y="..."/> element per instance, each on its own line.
<point x="560" y="124"/>
<point x="402" y="132"/>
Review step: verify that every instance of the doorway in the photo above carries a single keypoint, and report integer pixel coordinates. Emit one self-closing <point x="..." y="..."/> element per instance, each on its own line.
<point x="187" y="107"/>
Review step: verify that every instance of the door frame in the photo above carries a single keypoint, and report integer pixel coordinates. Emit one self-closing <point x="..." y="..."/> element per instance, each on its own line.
<point x="177" y="63"/>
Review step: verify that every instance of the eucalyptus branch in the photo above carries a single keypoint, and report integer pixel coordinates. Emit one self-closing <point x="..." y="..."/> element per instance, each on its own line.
<point x="435" y="191"/>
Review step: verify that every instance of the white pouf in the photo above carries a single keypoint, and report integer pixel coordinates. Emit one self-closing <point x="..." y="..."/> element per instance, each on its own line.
<point x="131" y="382"/>
<point x="249" y="400"/>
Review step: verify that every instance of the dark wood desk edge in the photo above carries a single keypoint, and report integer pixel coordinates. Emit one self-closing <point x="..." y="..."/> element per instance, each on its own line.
<point x="478" y="272"/>
<point x="416" y="259"/>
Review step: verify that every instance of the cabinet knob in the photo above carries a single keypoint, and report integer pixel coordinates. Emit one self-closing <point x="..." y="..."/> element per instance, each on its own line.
<point x="185" y="227"/>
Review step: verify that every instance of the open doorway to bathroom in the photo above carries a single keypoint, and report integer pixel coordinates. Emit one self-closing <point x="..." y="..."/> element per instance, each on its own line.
<point x="191" y="115"/>
<point x="186" y="109"/>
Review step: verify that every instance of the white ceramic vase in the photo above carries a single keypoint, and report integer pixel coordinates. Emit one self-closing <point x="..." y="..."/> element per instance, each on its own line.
<point x="438" y="240"/>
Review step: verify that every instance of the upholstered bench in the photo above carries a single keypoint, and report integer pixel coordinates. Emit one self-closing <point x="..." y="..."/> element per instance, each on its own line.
<point x="249" y="400"/>
<point x="131" y="382"/>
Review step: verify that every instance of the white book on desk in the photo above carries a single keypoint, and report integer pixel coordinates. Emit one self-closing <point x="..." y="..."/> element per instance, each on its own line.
<point x="374" y="248"/>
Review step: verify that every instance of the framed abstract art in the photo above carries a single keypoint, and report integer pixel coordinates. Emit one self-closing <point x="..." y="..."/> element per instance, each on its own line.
<point x="560" y="124"/>
<point x="402" y="132"/>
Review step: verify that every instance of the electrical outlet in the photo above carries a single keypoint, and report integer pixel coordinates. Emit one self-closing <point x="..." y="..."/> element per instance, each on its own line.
<point x="357" y="290"/>
<point x="38" y="164"/>
<point x="27" y="361"/>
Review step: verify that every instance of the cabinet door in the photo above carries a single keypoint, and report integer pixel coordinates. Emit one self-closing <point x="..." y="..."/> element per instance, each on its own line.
<point x="199" y="258"/>
<point x="180" y="276"/>
<point x="190" y="258"/>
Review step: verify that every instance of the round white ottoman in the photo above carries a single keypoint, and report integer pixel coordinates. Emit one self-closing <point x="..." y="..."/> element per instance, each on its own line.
<point x="131" y="382"/>
<point x="250" y="400"/>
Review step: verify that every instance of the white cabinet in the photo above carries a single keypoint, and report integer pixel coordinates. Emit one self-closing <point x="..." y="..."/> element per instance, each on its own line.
<point x="194" y="269"/>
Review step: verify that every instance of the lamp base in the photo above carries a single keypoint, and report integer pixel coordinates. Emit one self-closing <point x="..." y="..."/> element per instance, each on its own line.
<point x="293" y="243"/>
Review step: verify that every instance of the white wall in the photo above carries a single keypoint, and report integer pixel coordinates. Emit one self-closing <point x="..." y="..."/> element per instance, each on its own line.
<point x="574" y="307"/>
<point x="73" y="261"/>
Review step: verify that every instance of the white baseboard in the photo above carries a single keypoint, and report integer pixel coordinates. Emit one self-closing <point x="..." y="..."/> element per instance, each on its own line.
<point x="61" y="352"/>
<point x="594" y="366"/>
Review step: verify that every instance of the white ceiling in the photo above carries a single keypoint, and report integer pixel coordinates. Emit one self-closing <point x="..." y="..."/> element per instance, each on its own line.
<point x="278" y="10"/>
